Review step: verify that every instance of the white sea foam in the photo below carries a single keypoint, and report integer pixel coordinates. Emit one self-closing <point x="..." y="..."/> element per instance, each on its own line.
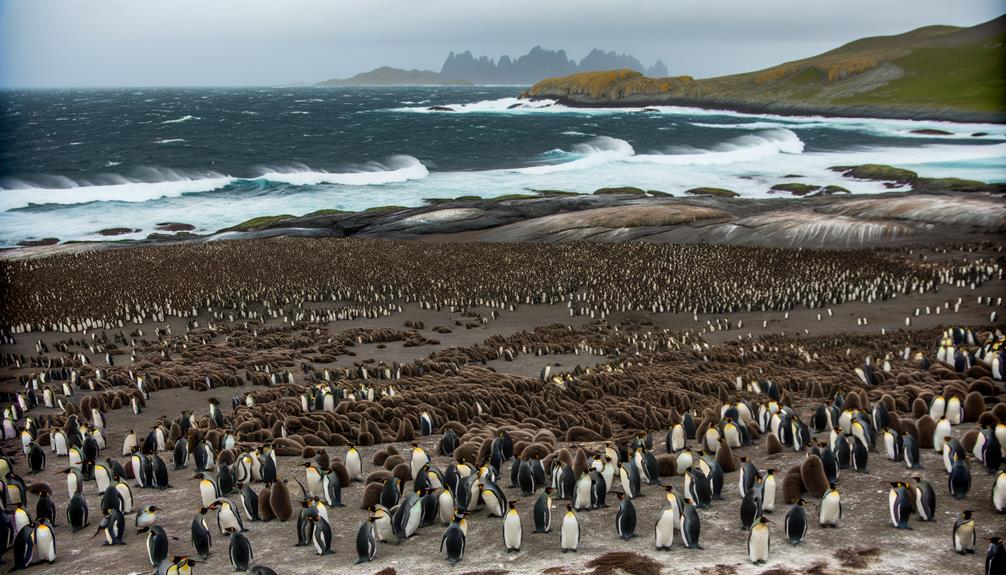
<point x="185" y="118"/>
<point x="169" y="141"/>
<point x="599" y="150"/>
<point x="395" y="170"/>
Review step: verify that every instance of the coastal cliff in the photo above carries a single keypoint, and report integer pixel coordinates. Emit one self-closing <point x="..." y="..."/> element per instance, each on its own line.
<point x="936" y="72"/>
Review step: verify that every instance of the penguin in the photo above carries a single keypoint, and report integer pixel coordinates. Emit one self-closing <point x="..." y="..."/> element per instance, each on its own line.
<point x="208" y="491"/>
<point x="23" y="548"/>
<point x="629" y="476"/>
<point x="391" y="492"/>
<point x="690" y="525"/>
<point x="892" y="443"/>
<point x="354" y="465"/>
<point x="249" y="502"/>
<point x="36" y="459"/>
<point x="759" y="541"/>
<point x="112" y="499"/>
<point x="964" y="533"/>
<point x="304" y="525"/>
<point x="751" y="506"/>
<point x="959" y="479"/>
<point x="747" y="475"/>
<point x="228" y="516"/>
<point x="569" y="531"/>
<point x="114" y="526"/>
<point x="45" y="508"/>
<point x="419" y="459"/>
<point x="796" y="522"/>
<point x="999" y="491"/>
<point x="598" y="490"/>
<point x="44" y="541"/>
<point x="495" y="500"/>
<point x="74" y="481"/>
<point x="543" y="512"/>
<point x="525" y="477"/>
<point x="831" y="508"/>
<point x="453" y="542"/>
<point x="925" y="500"/>
<point x="445" y="505"/>
<point x="321" y="534"/>
<point x="582" y="492"/>
<point x="513" y="531"/>
<point x="180" y="454"/>
<point x="201" y="537"/>
<point x="407" y="516"/>
<point x="910" y="451"/>
<point x="76" y="512"/>
<point x="625" y="517"/>
<point x="146" y="517"/>
<point x="125" y="495"/>
<point x="663" y="529"/>
<point x="995" y="558"/>
<point x="157" y="545"/>
<point x="900" y="505"/>
<point x="860" y="454"/>
<point x="697" y="487"/>
<point x="366" y="544"/>
<point x="768" y="491"/>
<point x="240" y="550"/>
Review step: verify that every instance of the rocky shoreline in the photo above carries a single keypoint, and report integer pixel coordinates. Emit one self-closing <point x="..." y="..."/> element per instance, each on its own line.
<point x="802" y="215"/>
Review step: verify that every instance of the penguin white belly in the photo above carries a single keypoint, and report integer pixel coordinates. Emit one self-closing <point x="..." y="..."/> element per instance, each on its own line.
<point x="768" y="496"/>
<point x="208" y="493"/>
<point x="512" y="531"/>
<point x="228" y="520"/>
<point x="446" y="502"/>
<point x="102" y="481"/>
<point x="830" y="510"/>
<point x="582" y="496"/>
<point x="758" y="544"/>
<point x="45" y="549"/>
<point x="979" y="447"/>
<point x="493" y="504"/>
<point x="570" y="533"/>
<point x="890" y="447"/>
<point x="964" y="536"/>
<point x="353" y="466"/>
<point x="127" y="497"/>
<point x="664" y="531"/>
<point x="733" y="438"/>
<point x="683" y="462"/>
<point x="999" y="492"/>
<point x="415" y="515"/>
<point x="59" y="445"/>
<point x="892" y="496"/>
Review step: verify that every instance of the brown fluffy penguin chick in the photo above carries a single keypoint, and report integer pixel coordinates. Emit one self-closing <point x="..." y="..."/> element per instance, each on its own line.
<point x="908" y="426"/>
<point x="405" y="431"/>
<point x="371" y="495"/>
<point x="792" y="485"/>
<point x="969" y="440"/>
<point x="264" y="505"/>
<point x="580" y="464"/>
<point x="339" y="469"/>
<point x="321" y="459"/>
<point x="927" y="426"/>
<point x="725" y="457"/>
<point x="815" y="481"/>
<point x="974" y="405"/>
<point x="280" y="502"/>
<point x="773" y="445"/>
<point x="919" y="407"/>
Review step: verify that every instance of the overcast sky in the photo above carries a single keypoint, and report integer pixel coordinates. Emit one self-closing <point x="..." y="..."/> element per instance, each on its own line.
<point x="258" y="42"/>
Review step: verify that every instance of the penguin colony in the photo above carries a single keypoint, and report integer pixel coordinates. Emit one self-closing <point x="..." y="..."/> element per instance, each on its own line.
<point x="662" y="435"/>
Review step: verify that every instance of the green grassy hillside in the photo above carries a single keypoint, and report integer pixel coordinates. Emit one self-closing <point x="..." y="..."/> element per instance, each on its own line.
<point x="936" y="71"/>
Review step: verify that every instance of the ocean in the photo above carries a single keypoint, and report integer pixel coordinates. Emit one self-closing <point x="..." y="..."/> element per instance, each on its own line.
<point x="73" y="162"/>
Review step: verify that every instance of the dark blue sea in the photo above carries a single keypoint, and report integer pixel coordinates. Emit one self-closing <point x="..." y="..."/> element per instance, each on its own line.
<point x="73" y="162"/>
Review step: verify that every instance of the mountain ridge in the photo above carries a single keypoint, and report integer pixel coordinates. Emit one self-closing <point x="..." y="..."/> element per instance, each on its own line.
<point x="463" y="68"/>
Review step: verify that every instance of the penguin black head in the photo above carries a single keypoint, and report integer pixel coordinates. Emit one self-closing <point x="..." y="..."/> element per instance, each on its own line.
<point x="801" y="501"/>
<point x="569" y="506"/>
<point x="996" y="540"/>
<point x="763" y="520"/>
<point x="831" y="486"/>
<point x="967" y="514"/>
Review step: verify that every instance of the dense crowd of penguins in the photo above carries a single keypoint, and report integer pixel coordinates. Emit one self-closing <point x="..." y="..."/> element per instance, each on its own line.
<point x="274" y="278"/>
<point x="660" y="404"/>
<point x="664" y="404"/>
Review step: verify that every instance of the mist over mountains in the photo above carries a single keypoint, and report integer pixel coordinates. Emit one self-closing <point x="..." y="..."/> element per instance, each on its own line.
<point x="537" y="64"/>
